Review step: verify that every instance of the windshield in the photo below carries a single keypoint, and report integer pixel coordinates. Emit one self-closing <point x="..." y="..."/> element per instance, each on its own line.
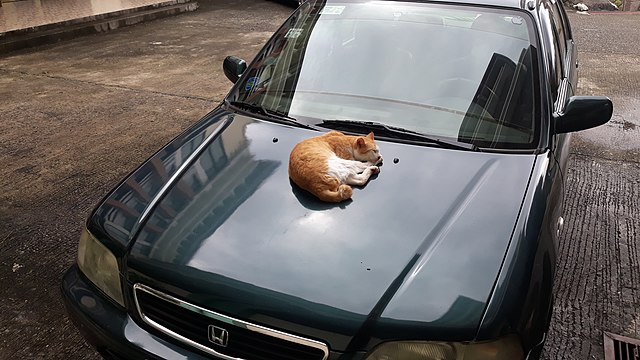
<point x="460" y="72"/>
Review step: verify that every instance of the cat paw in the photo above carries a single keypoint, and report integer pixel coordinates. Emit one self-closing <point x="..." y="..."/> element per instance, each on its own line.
<point x="374" y="169"/>
<point x="345" y="192"/>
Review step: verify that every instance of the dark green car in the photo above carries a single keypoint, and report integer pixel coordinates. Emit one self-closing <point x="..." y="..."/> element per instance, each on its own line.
<point x="208" y="250"/>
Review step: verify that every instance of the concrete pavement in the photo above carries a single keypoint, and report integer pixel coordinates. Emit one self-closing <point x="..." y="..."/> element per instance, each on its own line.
<point x="609" y="49"/>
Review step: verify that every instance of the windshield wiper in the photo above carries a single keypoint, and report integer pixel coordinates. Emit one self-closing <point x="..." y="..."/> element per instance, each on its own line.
<point x="272" y="114"/>
<point x="395" y="133"/>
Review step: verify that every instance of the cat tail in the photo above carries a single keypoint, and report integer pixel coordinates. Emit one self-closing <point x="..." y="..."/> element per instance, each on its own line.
<point x="343" y="193"/>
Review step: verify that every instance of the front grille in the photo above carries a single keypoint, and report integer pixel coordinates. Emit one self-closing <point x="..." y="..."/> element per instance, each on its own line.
<point x="192" y="324"/>
<point x="617" y="347"/>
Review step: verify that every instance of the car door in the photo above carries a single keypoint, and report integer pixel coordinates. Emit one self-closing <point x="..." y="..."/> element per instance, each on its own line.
<point x="560" y="51"/>
<point x="566" y="73"/>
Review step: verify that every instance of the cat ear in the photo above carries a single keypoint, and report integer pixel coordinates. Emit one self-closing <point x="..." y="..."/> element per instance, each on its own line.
<point x="360" y="142"/>
<point x="370" y="136"/>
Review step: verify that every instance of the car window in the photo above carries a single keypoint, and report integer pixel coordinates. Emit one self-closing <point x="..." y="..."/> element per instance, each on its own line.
<point x="559" y="36"/>
<point x="564" y="32"/>
<point x="464" y="73"/>
<point x="555" y="54"/>
<point x="558" y="27"/>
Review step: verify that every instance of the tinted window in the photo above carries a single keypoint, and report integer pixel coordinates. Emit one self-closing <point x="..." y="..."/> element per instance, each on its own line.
<point x="459" y="72"/>
<point x="559" y="39"/>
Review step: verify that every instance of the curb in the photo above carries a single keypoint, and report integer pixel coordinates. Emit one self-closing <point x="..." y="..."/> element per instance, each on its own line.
<point x="52" y="33"/>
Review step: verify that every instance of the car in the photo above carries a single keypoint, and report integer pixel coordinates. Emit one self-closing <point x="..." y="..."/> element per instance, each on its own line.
<point x="209" y="250"/>
<point x="292" y="3"/>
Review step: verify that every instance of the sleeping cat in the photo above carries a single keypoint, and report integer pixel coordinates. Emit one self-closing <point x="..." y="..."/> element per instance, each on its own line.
<point x="326" y="165"/>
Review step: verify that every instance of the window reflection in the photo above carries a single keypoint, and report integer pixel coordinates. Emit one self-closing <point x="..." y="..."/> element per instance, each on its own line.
<point x="120" y="212"/>
<point x="204" y="198"/>
<point x="502" y="107"/>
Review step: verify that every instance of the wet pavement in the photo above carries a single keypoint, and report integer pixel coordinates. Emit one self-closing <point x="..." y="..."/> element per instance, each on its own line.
<point x="609" y="53"/>
<point x="77" y="116"/>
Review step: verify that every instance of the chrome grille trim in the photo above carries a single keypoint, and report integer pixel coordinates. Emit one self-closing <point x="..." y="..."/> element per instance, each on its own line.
<point x="219" y="317"/>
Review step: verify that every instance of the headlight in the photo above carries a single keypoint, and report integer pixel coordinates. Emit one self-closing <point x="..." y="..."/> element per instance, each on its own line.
<point x="508" y="348"/>
<point x="100" y="266"/>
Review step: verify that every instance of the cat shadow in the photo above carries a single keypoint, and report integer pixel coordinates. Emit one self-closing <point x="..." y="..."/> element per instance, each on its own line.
<point x="311" y="202"/>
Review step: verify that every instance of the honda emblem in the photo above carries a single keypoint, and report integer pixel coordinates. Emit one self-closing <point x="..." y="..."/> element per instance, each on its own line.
<point x="218" y="336"/>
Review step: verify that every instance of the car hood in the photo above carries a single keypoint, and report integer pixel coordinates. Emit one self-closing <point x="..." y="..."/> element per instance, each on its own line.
<point x="415" y="254"/>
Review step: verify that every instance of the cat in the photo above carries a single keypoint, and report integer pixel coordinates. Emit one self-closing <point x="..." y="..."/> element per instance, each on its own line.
<point x="326" y="165"/>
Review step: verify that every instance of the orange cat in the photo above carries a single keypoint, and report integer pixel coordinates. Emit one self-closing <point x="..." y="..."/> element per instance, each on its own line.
<point x="326" y="165"/>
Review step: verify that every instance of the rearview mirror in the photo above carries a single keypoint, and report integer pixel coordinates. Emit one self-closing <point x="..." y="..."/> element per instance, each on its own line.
<point x="583" y="112"/>
<point x="233" y="67"/>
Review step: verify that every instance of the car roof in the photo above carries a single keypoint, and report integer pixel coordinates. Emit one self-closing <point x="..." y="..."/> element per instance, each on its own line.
<point x="515" y="4"/>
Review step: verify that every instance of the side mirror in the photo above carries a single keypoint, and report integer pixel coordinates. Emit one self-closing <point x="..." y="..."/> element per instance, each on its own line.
<point x="583" y="112"/>
<point x="233" y="67"/>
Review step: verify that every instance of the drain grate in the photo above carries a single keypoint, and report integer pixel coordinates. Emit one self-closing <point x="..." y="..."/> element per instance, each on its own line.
<point x="617" y="347"/>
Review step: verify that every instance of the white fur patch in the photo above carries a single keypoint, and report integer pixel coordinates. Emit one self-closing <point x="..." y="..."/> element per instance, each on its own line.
<point x="342" y="169"/>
